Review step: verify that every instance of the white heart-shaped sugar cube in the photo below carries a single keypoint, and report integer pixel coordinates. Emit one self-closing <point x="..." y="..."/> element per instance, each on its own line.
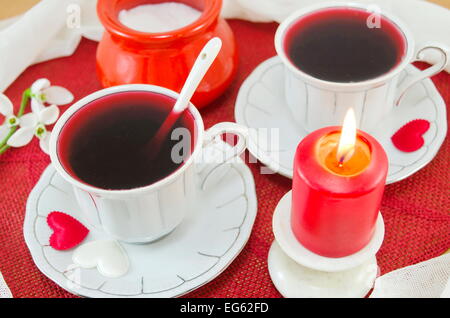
<point x="108" y="256"/>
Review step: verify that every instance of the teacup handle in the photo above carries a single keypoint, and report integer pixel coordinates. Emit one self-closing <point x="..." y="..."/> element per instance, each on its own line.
<point x="432" y="70"/>
<point x="226" y="152"/>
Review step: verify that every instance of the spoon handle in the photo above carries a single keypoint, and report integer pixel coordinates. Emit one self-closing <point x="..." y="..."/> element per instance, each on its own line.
<point x="198" y="71"/>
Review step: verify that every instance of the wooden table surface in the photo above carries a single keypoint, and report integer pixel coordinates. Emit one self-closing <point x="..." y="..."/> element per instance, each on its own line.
<point x="9" y="8"/>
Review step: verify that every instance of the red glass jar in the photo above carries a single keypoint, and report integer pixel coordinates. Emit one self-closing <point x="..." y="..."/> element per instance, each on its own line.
<point x="126" y="56"/>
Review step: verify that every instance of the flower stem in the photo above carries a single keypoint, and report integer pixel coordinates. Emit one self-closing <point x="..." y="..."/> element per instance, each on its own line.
<point x="23" y="104"/>
<point x="3" y="149"/>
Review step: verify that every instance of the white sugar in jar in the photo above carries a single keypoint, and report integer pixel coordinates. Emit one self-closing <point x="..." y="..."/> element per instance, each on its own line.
<point x="159" y="18"/>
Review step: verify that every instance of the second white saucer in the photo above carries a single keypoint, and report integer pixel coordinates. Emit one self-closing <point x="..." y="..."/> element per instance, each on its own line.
<point x="261" y="105"/>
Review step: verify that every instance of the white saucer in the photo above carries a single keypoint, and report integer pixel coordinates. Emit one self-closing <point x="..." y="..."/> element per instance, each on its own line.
<point x="261" y="104"/>
<point x="297" y="252"/>
<point x="197" y="251"/>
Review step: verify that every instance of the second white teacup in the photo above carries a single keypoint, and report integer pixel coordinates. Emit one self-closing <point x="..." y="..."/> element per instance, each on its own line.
<point x="317" y="102"/>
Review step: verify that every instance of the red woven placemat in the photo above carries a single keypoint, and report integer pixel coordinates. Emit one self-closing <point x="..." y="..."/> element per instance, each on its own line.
<point x="416" y="210"/>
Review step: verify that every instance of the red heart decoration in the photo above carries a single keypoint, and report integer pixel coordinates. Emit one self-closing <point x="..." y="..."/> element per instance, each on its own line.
<point x="409" y="137"/>
<point x="68" y="232"/>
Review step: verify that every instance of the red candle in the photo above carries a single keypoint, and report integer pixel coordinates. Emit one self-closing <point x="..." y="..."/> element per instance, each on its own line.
<point x="337" y="188"/>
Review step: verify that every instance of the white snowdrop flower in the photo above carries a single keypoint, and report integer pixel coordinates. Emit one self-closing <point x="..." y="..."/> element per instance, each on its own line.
<point x="33" y="124"/>
<point x="7" y="110"/>
<point x="43" y="93"/>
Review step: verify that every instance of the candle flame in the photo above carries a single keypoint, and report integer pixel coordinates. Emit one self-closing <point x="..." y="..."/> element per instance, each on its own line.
<point x="347" y="140"/>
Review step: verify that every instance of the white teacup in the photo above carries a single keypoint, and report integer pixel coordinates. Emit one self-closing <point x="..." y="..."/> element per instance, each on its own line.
<point x="317" y="103"/>
<point x="147" y="213"/>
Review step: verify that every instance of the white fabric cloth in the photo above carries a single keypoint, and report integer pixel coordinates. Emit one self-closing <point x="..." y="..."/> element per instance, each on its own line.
<point x="31" y="38"/>
<point x="51" y="29"/>
<point x="4" y="290"/>
<point x="429" y="279"/>
<point x="48" y="30"/>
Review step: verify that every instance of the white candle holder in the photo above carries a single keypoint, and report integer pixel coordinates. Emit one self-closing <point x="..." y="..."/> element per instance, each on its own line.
<point x="298" y="272"/>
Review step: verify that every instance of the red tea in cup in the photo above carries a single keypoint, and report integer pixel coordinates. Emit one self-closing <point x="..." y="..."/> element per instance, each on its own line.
<point x="105" y="143"/>
<point x="344" y="44"/>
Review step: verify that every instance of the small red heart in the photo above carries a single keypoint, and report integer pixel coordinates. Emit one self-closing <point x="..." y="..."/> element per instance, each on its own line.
<point x="68" y="232"/>
<point x="409" y="137"/>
